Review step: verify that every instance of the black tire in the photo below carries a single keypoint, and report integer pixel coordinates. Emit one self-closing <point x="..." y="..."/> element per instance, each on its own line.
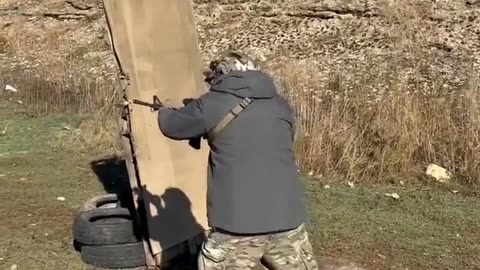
<point x="108" y="226"/>
<point x="115" y="256"/>
<point x="110" y="200"/>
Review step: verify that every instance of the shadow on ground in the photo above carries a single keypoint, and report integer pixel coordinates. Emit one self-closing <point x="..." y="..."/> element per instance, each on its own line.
<point x="112" y="173"/>
<point x="173" y="204"/>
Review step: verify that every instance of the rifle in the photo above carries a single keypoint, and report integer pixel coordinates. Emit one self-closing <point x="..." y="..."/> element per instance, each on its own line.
<point x="157" y="104"/>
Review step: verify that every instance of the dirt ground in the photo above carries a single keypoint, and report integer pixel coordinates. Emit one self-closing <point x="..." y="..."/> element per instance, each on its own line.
<point x="427" y="228"/>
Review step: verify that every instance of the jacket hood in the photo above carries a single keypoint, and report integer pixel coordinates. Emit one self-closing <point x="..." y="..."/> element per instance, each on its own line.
<point x="251" y="84"/>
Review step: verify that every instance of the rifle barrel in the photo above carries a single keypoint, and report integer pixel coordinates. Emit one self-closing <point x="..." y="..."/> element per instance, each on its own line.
<point x="139" y="102"/>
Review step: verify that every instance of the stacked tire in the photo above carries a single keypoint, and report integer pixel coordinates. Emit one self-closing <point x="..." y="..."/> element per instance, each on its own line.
<point x="106" y="236"/>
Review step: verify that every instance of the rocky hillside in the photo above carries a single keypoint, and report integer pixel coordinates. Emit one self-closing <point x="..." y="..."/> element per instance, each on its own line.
<point x="437" y="41"/>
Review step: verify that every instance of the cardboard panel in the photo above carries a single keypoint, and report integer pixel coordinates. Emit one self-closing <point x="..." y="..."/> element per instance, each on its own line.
<point x="157" y="48"/>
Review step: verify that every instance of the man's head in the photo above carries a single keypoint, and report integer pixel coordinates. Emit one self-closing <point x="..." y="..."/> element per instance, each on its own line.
<point x="232" y="61"/>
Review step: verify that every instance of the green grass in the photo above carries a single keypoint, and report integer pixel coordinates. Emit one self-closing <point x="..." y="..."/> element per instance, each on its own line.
<point x="424" y="229"/>
<point x="35" y="228"/>
<point x="427" y="228"/>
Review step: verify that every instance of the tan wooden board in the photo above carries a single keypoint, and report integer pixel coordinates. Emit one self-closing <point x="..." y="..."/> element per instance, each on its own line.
<point x="157" y="48"/>
<point x="124" y="127"/>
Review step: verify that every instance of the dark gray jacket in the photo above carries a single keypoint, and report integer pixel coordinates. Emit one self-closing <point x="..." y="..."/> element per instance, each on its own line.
<point x="253" y="183"/>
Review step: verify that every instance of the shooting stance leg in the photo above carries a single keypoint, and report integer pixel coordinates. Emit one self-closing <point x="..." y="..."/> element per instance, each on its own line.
<point x="226" y="252"/>
<point x="290" y="250"/>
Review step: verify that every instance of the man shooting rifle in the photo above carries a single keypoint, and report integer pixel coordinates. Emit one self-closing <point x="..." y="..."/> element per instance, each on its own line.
<point x="255" y="196"/>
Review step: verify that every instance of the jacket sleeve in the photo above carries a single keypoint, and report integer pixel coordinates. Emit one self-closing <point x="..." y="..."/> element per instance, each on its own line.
<point x="183" y="124"/>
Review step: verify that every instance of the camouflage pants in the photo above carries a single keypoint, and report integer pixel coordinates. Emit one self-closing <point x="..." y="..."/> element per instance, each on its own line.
<point x="279" y="251"/>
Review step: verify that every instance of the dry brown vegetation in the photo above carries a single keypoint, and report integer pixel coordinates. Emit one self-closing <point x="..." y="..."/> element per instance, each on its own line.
<point x="348" y="133"/>
<point x="67" y="93"/>
<point x="63" y="92"/>
<point x="54" y="75"/>
<point x="376" y="123"/>
<point x="351" y="132"/>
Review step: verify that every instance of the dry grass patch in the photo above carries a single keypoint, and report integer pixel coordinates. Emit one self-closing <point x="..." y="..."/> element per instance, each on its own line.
<point x="93" y="99"/>
<point x="49" y="63"/>
<point x="56" y="75"/>
<point x="352" y="132"/>
<point x="94" y="134"/>
<point x="63" y="93"/>
<point x="404" y="20"/>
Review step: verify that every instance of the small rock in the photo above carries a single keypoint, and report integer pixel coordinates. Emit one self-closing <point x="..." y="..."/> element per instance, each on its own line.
<point x="13" y="267"/>
<point x="23" y="179"/>
<point x="440" y="174"/>
<point x="10" y="88"/>
<point x="382" y="256"/>
<point x="62" y="199"/>
<point x="455" y="191"/>
<point x="310" y="173"/>
<point x="393" y="195"/>
<point x="20" y="102"/>
<point x="326" y="186"/>
<point x="350" y="184"/>
<point x="402" y="183"/>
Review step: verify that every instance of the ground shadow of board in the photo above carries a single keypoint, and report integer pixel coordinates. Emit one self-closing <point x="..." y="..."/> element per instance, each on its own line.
<point x="173" y="204"/>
